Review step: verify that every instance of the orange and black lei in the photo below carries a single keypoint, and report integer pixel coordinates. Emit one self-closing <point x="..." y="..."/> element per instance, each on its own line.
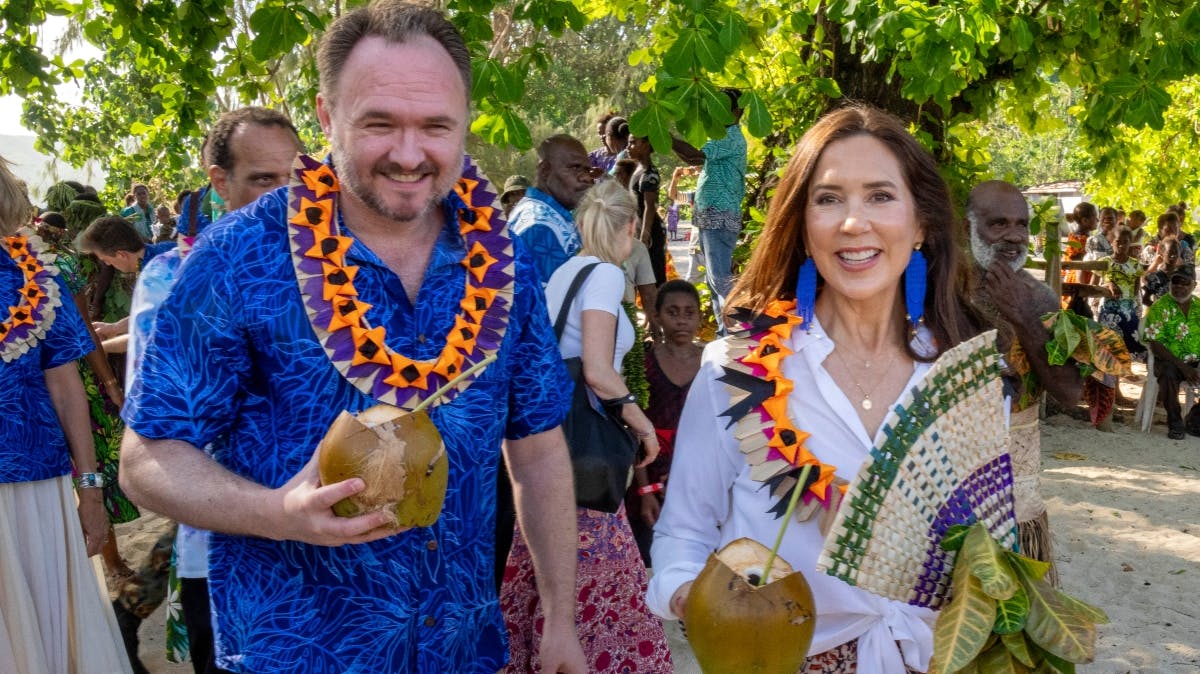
<point x="769" y="439"/>
<point x="30" y="318"/>
<point x="359" y="350"/>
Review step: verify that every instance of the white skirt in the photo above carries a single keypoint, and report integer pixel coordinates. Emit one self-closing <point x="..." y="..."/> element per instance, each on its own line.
<point x="55" y="615"/>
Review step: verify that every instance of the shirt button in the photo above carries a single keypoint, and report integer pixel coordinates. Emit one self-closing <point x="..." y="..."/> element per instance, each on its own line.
<point x="430" y="621"/>
<point x="421" y="338"/>
<point x="431" y="546"/>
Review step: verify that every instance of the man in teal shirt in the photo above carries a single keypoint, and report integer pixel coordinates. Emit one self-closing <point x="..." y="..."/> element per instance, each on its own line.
<point x="718" y="210"/>
<point x="1172" y="327"/>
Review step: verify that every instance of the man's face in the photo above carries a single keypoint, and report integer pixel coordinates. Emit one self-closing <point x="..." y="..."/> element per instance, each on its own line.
<point x="398" y="134"/>
<point x="565" y="173"/>
<point x="141" y="195"/>
<point x="262" y="159"/>
<point x="1000" y="228"/>
<point x="1181" y="288"/>
<point x="123" y="260"/>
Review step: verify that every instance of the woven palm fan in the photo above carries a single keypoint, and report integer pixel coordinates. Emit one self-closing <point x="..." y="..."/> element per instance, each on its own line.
<point x="942" y="460"/>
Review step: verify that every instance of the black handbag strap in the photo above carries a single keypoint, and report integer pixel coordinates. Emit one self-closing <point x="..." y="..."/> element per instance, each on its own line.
<point x="561" y="322"/>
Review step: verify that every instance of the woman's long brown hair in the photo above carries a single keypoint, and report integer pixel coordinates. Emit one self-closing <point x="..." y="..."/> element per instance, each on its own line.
<point x="773" y="267"/>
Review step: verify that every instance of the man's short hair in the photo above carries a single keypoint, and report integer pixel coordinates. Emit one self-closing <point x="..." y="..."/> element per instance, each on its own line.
<point x="217" y="150"/>
<point x="110" y="235"/>
<point x="543" y="148"/>
<point x="397" y="22"/>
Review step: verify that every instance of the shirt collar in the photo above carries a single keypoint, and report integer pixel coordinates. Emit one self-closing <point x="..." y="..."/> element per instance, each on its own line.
<point x="536" y="194"/>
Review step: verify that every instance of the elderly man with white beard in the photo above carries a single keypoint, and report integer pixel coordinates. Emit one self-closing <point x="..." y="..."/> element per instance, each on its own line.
<point x="1013" y="302"/>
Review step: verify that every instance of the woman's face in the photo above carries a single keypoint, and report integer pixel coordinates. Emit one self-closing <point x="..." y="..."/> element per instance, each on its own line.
<point x="861" y="223"/>
<point x="679" y="317"/>
<point x="639" y="148"/>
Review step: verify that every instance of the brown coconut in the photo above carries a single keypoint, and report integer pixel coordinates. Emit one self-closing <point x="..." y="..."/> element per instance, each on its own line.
<point x="399" y="456"/>
<point x="736" y="627"/>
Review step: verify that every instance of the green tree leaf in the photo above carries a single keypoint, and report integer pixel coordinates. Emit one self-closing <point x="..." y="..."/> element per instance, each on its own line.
<point x="755" y="115"/>
<point x="955" y="535"/>
<point x="1020" y="648"/>
<point x="277" y="29"/>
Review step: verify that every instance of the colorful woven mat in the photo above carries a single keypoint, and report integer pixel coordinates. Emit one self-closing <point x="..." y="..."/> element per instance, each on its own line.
<point x="942" y="460"/>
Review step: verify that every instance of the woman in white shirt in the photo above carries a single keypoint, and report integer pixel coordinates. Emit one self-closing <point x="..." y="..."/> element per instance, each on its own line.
<point x="861" y="205"/>
<point x="617" y="630"/>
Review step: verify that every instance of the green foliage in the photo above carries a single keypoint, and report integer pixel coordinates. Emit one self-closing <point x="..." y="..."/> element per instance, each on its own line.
<point x="1036" y="628"/>
<point x="1113" y="84"/>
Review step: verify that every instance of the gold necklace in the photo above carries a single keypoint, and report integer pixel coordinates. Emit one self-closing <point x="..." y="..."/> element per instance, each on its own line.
<point x="865" y="403"/>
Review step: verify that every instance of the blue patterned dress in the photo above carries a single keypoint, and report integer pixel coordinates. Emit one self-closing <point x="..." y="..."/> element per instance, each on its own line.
<point x="233" y="360"/>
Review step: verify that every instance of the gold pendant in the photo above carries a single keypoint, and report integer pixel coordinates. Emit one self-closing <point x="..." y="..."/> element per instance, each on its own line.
<point x="866" y="403"/>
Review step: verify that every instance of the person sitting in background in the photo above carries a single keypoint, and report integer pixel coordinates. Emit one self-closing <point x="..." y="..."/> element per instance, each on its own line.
<point x="1157" y="281"/>
<point x="671" y="363"/>
<point x="1122" y="310"/>
<point x="1173" y="332"/>
<point x="616" y="629"/>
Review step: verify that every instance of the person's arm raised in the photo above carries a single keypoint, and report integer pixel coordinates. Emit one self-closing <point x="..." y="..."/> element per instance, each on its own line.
<point x="1023" y="306"/>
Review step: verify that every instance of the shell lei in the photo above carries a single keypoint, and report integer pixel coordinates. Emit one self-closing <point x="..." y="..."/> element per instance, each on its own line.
<point x="30" y="318"/>
<point x="769" y="440"/>
<point x="358" y="350"/>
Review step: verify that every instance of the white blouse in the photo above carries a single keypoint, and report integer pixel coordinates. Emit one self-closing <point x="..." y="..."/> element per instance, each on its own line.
<point x="712" y="501"/>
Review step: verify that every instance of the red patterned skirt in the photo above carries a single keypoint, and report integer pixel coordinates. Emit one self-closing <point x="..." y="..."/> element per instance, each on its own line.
<point x="616" y="629"/>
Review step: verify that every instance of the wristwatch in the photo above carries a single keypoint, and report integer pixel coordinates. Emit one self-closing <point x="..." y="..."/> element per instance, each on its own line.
<point x="91" y="481"/>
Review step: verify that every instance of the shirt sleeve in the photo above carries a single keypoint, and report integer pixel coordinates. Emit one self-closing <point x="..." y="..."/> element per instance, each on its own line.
<point x="650" y="181"/>
<point x="68" y="338"/>
<point x="539" y="388"/>
<point x="197" y="354"/>
<point x="547" y="253"/>
<point x="698" y="495"/>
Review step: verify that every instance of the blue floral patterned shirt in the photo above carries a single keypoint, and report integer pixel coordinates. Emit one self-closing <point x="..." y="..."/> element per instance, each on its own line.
<point x="547" y="229"/>
<point x="32" y="444"/>
<point x="233" y="360"/>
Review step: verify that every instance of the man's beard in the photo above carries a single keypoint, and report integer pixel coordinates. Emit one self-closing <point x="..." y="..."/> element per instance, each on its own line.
<point x="985" y="254"/>
<point x="355" y="185"/>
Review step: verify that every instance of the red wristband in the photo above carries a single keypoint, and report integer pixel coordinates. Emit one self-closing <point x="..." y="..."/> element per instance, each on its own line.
<point x="650" y="489"/>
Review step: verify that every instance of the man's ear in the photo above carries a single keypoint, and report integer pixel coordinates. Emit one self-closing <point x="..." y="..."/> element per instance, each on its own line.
<point x="219" y="178"/>
<point x="324" y="107"/>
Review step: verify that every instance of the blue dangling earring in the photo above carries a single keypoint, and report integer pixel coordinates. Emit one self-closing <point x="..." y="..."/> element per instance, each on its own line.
<point x="806" y="292"/>
<point x="914" y="287"/>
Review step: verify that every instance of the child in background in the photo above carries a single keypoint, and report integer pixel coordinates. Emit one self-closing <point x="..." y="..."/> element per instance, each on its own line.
<point x="671" y="364"/>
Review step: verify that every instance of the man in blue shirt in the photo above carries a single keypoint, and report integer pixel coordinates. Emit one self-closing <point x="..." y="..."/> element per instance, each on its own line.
<point x="255" y="358"/>
<point x="542" y="220"/>
<point x="718" y="209"/>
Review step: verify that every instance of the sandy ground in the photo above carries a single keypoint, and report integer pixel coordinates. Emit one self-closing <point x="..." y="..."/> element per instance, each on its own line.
<point x="1125" y="517"/>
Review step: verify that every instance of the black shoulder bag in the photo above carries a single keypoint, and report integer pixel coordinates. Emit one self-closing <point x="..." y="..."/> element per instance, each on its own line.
<point x="602" y="445"/>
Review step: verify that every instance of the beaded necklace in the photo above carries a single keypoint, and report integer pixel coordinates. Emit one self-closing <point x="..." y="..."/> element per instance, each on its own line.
<point x="359" y="350"/>
<point x="31" y="317"/>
